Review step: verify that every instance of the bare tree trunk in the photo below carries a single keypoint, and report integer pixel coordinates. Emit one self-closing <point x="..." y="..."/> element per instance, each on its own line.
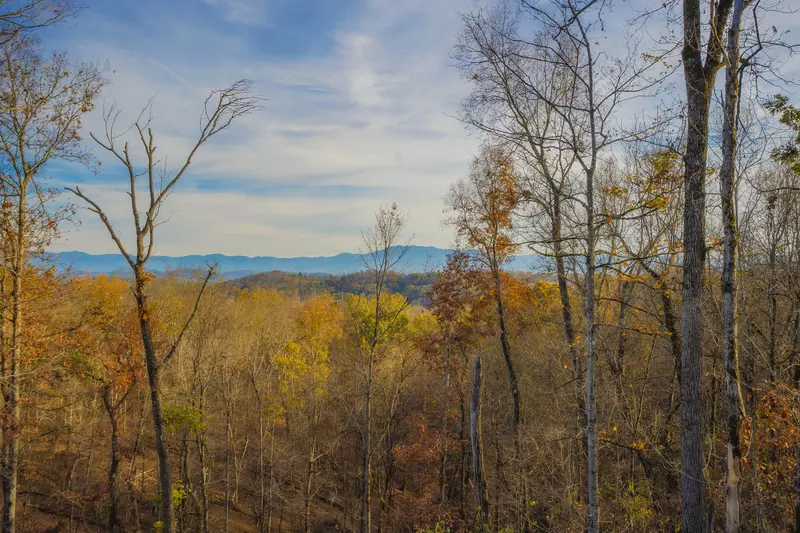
<point x="730" y="317"/>
<point x="200" y="441"/>
<point x="153" y="376"/>
<point x="566" y="312"/>
<point x="113" y="468"/>
<point x="569" y="334"/>
<point x="591" y="361"/>
<point x="231" y="103"/>
<point x="227" y="492"/>
<point x="512" y="375"/>
<point x="183" y="521"/>
<point x="11" y="426"/>
<point x="271" y="480"/>
<point x="6" y="373"/>
<point x="262" y="500"/>
<point x="796" y="382"/>
<point x="797" y="492"/>
<point x="699" y="76"/>
<point x="773" y="310"/>
<point x="476" y="440"/>
<point x="463" y="469"/>
<point x="308" y="491"/>
<point x="671" y="327"/>
<point x="201" y="455"/>
<point x="445" y="402"/>
<point x="753" y="397"/>
<point x="366" y="467"/>
<point x="136" y="447"/>
<point x="388" y="478"/>
<point x="618" y="363"/>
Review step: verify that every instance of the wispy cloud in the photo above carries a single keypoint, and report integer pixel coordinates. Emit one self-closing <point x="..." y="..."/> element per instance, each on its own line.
<point x="356" y="115"/>
<point x="358" y="112"/>
<point x="249" y="12"/>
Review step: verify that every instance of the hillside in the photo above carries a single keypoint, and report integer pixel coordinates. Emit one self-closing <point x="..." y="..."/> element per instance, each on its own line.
<point x="412" y="286"/>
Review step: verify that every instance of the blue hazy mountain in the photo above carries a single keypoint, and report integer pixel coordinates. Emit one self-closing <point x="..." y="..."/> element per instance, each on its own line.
<point x="416" y="259"/>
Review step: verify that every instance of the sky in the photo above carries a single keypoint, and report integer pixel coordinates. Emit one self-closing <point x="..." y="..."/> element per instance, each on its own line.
<point x="359" y="104"/>
<point x="358" y="112"/>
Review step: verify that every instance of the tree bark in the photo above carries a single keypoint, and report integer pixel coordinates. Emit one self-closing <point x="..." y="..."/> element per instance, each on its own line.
<point x="153" y="375"/>
<point x="773" y="309"/>
<point x="462" y="512"/>
<point x="730" y="317"/>
<point x="569" y="330"/>
<point x="591" y="361"/>
<point x="506" y="346"/>
<point x="113" y="467"/>
<point x="443" y="462"/>
<point x="476" y="440"/>
<point x="201" y="444"/>
<point x="11" y="425"/>
<point x="308" y="492"/>
<point x="227" y="492"/>
<point x="699" y="78"/>
<point x="271" y="481"/>
<point x="366" y="465"/>
<point x="262" y="500"/>
<point x="201" y="454"/>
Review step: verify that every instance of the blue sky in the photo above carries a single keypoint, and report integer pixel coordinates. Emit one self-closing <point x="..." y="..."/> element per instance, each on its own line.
<point x="359" y="103"/>
<point x="358" y="112"/>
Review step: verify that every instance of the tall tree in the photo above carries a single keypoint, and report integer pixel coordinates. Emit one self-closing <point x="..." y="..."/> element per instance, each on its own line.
<point x="42" y="101"/>
<point x="504" y="105"/>
<point x="376" y="320"/>
<point x="222" y="108"/>
<point x="481" y="209"/>
<point x="730" y="315"/>
<point x="594" y="85"/>
<point x="700" y="72"/>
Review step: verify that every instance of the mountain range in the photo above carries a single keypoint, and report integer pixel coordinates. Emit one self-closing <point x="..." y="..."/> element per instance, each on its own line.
<point x="416" y="259"/>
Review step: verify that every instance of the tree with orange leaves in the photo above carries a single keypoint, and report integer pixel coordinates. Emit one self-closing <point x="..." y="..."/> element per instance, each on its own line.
<point x="481" y="208"/>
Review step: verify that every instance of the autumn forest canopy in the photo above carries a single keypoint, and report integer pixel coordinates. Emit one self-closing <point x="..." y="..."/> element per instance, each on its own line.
<point x="644" y="377"/>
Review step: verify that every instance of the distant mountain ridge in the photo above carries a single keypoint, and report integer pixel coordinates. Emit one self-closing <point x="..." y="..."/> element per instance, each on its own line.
<point x="416" y="259"/>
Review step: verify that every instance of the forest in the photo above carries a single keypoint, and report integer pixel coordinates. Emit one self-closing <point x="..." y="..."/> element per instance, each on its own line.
<point x="413" y="286"/>
<point x="646" y="379"/>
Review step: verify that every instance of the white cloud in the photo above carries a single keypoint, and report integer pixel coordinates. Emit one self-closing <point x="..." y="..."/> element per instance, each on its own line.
<point x="369" y="114"/>
<point x="362" y="84"/>
<point x="250" y="224"/>
<point x="343" y="130"/>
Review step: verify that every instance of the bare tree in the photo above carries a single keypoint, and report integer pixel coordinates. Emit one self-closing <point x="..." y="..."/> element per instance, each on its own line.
<point x="730" y="314"/>
<point x="221" y="109"/>
<point x="594" y="87"/>
<point x="503" y="108"/>
<point x="476" y="442"/>
<point x="383" y="255"/>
